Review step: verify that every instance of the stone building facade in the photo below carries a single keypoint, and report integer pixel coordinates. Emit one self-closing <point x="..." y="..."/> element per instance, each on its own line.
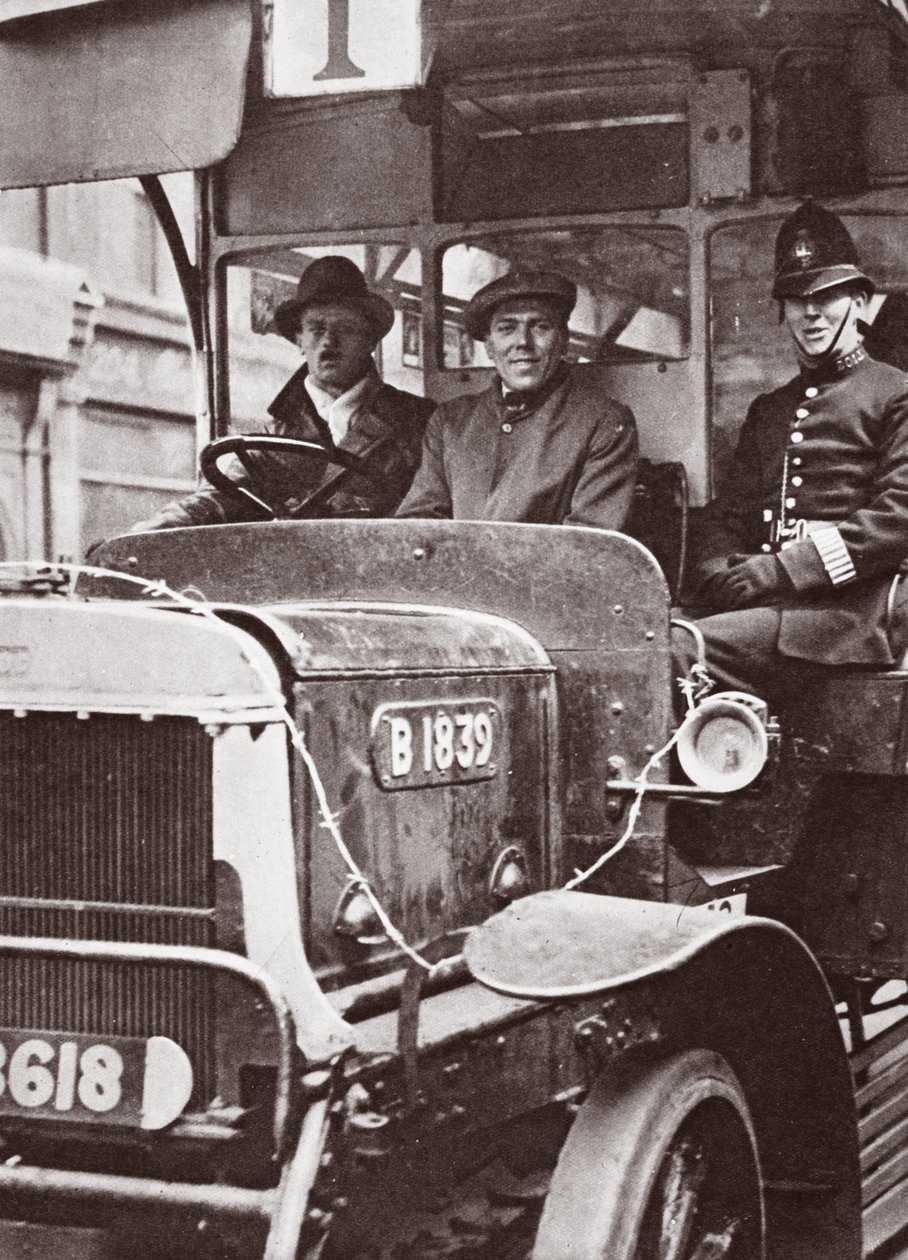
<point x="96" y="381"/>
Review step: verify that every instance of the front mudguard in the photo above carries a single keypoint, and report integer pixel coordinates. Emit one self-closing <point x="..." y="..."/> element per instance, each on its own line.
<point x="673" y="979"/>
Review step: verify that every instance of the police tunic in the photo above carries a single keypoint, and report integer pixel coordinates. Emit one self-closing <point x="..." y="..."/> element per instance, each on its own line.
<point x="820" y="477"/>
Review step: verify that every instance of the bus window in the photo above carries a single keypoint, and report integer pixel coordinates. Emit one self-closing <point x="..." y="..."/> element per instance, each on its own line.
<point x="261" y="360"/>
<point x="585" y="142"/>
<point x="632" y="284"/>
<point x="751" y="351"/>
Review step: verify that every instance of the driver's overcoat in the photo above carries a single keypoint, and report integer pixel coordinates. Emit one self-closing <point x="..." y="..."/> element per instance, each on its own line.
<point x="386" y="433"/>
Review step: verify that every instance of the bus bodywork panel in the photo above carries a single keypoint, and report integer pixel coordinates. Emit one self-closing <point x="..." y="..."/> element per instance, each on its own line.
<point x="155" y="88"/>
<point x="531" y="574"/>
<point x="117" y="89"/>
<point x="567" y="587"/>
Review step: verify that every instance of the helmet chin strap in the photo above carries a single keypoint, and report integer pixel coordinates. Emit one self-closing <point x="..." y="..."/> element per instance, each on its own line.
<point x="814" y="361"/>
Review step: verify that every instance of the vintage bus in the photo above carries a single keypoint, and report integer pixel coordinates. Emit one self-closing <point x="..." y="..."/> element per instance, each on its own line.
<point x="284" y="969"/>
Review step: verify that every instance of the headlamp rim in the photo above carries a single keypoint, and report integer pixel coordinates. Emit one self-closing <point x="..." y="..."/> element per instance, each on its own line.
<point x="751" y="711"/>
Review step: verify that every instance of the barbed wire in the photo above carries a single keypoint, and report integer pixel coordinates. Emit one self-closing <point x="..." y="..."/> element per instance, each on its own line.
<point x="201" y="607"/>
<point x="633" y="813"/>
<point x="156" y="588"/>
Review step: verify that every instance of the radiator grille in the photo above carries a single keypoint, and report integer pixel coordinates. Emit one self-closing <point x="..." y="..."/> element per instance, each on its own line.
<point x="111" y="810"/>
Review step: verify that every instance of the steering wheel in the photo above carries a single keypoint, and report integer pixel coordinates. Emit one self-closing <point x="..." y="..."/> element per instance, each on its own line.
<point x="243" y="445"/>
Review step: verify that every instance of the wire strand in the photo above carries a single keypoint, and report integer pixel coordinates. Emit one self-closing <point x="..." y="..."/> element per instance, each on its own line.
<point x="581" y="876"/>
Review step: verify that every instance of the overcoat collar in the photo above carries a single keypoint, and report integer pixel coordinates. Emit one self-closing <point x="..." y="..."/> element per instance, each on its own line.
<point x="374" y="420"/>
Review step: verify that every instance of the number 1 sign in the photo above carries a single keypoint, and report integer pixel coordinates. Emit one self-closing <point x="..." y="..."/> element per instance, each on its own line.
<point x="314" y="47"/>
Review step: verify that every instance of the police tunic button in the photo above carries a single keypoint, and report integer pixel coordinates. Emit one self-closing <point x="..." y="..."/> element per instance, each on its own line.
<point x="797" y="461"/>
<point x="765" y="547"/>
<point x="797" y="437"/>
<point x="811" y="391"/>
<point x="790" y="502"/>
<point x="506" y="428"/>
<point x="802" y="413"/>
<point x="797" y="481"/>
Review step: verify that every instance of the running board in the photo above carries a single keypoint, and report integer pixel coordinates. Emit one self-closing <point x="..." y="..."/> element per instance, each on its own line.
<point x="880" y="1071"/>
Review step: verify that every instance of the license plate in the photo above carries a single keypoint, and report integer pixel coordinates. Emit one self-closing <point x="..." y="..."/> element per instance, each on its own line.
<point x="434" y="743"/>
<point x="735" y="904"/>
<point x="80" y="1076"/>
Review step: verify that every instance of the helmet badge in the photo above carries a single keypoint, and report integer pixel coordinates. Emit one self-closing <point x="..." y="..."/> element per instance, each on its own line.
<point x="803" y="250"/>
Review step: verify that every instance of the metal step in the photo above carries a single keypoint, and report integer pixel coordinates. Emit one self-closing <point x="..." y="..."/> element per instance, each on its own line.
<point x="880" y="1071"/>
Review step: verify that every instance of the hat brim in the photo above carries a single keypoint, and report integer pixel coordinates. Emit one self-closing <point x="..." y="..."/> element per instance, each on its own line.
<point x="377" y="310"/>
<point x="477" y="315"/>
<point x="798" y="284"/>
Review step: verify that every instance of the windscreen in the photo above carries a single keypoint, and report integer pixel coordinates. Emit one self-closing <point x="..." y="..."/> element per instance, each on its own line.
<point x="583" y="142"/>
<point x="261" y="359"/>
<point x="632" y="288"/>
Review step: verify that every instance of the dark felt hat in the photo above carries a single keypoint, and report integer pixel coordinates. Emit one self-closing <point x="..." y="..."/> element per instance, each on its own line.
<point x="328" y="280"/>
<point x="814" y="251"/>
<point x="517" y="284"/>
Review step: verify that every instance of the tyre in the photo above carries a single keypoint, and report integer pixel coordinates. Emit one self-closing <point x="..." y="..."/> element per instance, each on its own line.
<point x="661" y="1164"/>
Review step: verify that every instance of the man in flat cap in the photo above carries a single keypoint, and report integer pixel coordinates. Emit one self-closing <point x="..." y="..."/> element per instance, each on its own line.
<point x="542" y="444"/>
<point x="336" y="399"/>
<point x="799" y="560"/>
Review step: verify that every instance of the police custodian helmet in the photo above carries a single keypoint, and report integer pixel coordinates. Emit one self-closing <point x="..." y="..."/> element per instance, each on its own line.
<point x="814" y="251"/>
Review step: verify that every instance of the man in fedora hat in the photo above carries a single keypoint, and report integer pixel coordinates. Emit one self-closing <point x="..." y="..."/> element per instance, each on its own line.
<point x="336" y="399"/>
<point x="799" y="558"/>
<point x="542" y="444"/>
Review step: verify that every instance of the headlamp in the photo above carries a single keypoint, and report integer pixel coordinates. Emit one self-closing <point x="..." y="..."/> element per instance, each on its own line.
<point x="722" y="744"/>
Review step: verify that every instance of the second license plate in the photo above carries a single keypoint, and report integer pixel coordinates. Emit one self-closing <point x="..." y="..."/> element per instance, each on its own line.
<point x="81" y="1076"/>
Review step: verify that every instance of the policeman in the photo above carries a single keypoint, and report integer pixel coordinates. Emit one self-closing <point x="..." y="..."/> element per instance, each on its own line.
<point x="798" y="561"/>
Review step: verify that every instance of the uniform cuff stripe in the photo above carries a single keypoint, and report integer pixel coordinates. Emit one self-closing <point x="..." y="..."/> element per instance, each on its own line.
<point x="834" y="554"/>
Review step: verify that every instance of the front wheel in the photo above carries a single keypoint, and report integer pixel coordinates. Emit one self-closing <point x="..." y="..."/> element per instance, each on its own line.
<point x="661" y="1164"/>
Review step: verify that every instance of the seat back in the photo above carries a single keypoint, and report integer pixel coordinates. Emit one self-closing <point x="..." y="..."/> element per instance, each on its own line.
<point x="659" y="517"/>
